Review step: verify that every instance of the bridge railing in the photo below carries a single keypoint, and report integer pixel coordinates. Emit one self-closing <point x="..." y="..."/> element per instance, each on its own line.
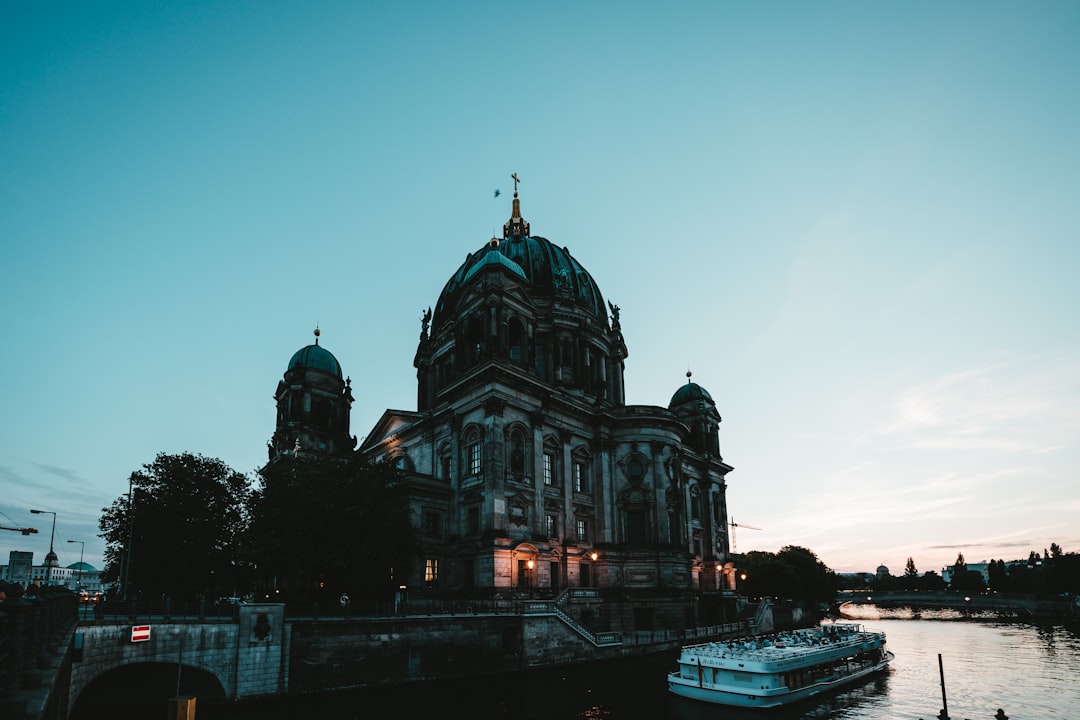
<point x="164" y="609"/>
<point x="35" y="628"/>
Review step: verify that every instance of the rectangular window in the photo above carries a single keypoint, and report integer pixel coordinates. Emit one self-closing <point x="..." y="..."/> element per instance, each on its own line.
<point x="579" y="478"/>
<point x="431" y="571"/>
<point x="549" y="469"/>
<point x="446" y="468"/>
<point x="474" y="520"/>
<point x="582" y="530"/>
<point x="474" y="459"/>
<point x="550" y="523"/>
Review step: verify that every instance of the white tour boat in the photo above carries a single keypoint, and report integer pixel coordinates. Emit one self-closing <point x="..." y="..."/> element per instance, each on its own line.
<point x="772" y="670"/>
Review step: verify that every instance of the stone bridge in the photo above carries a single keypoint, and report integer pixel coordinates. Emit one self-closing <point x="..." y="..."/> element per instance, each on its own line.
<point x="245" y="658"/>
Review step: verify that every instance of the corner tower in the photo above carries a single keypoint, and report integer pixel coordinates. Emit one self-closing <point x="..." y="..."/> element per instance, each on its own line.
<point x="313" y="406"/>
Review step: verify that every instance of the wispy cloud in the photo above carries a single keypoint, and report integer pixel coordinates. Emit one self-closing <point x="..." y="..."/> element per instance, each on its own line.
<point x="1016" y="405"/>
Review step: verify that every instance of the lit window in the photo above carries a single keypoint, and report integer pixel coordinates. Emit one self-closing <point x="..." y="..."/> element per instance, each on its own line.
<point x="549" y="469"/>
<point x="582" y="530"/>
<point x="550" y="520"/>
<point x="474" y="458"/>
<point x="431" y="571"/>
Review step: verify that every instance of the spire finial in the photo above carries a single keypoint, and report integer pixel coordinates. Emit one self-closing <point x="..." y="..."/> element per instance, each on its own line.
<point x="688" y="374"/>
<point x="516" y="214"/>
<point x="317" y="333"/>
<point x="516" y="226"/>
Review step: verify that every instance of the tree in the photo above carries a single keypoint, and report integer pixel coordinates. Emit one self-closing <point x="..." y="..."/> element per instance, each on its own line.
<point x="931" y="582"/>
<point x="911" y="575"/>
<point x="177" y="535"/>
<point x="794" y="573"/>
<point x="326" y="526"/>
<point x="819" y="583"/>
<point x="997" y="575"/>
<point x="768" y="576"/>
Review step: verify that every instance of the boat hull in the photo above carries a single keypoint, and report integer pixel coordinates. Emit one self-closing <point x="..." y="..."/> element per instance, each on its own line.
<point x="773" y="699"/>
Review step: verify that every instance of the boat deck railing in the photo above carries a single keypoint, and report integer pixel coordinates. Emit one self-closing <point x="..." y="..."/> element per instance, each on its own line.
<point x="781" y="649"/>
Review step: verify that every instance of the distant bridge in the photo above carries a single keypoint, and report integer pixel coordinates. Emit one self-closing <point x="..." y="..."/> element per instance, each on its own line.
<point x="1003" y="604"/>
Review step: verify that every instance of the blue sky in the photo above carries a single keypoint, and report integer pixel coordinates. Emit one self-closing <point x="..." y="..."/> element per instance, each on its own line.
<point x="855" y="223"/>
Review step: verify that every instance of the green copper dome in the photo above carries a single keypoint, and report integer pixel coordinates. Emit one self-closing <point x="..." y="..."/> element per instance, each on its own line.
<point x="315" y="357"/>
<point x="688" y="393"/>
<point x="548" y="271"/>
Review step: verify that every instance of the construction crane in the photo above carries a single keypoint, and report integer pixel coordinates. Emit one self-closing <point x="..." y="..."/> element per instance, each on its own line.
<point x="24" y="531"/>
<point x="15" y="528"/>
<point x="734" y="525"/>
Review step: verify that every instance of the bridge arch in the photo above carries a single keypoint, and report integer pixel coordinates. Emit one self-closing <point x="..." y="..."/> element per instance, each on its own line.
<point x="136" y="690"/>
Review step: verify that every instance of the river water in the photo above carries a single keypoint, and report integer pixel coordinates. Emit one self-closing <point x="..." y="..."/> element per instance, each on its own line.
<point x="1030" y="671"/>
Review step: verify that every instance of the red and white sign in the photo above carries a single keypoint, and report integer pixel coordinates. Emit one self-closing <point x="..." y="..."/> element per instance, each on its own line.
<point x="140" y="633"/>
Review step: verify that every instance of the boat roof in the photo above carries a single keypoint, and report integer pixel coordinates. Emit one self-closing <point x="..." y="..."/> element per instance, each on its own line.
<point x="784" y="650"/>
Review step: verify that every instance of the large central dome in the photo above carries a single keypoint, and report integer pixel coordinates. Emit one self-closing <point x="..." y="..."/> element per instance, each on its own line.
<point x="551" y="271"/>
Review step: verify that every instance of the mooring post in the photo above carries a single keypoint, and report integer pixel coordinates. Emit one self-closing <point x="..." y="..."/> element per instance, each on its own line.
<point x="944" y="703"/>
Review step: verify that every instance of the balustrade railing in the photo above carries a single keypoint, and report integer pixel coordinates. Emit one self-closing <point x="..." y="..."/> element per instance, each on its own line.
<point x="35" y="628"/>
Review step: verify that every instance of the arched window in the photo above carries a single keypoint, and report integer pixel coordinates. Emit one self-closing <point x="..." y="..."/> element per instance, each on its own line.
<point x="474" y="340"/>
<point x="566" y="359"/>
<point x="473" y="460"/>
<point x="516" y="453"/>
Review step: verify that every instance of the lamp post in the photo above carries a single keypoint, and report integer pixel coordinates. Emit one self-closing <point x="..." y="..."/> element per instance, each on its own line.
<point x="51" y="555"/>
<point x="78" y="576"/>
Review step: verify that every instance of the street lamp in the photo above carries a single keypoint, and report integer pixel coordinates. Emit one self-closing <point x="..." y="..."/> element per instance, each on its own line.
<point x="52" y="555"/>
<point x="78" y="577"/>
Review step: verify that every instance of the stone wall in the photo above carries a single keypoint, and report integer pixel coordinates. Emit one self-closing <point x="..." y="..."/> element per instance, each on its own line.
<point x="262" y="644"/>
<point x="355" y="653"/>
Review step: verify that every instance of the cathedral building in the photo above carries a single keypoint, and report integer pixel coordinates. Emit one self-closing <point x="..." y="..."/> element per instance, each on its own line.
<point x="527" y="470"/>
